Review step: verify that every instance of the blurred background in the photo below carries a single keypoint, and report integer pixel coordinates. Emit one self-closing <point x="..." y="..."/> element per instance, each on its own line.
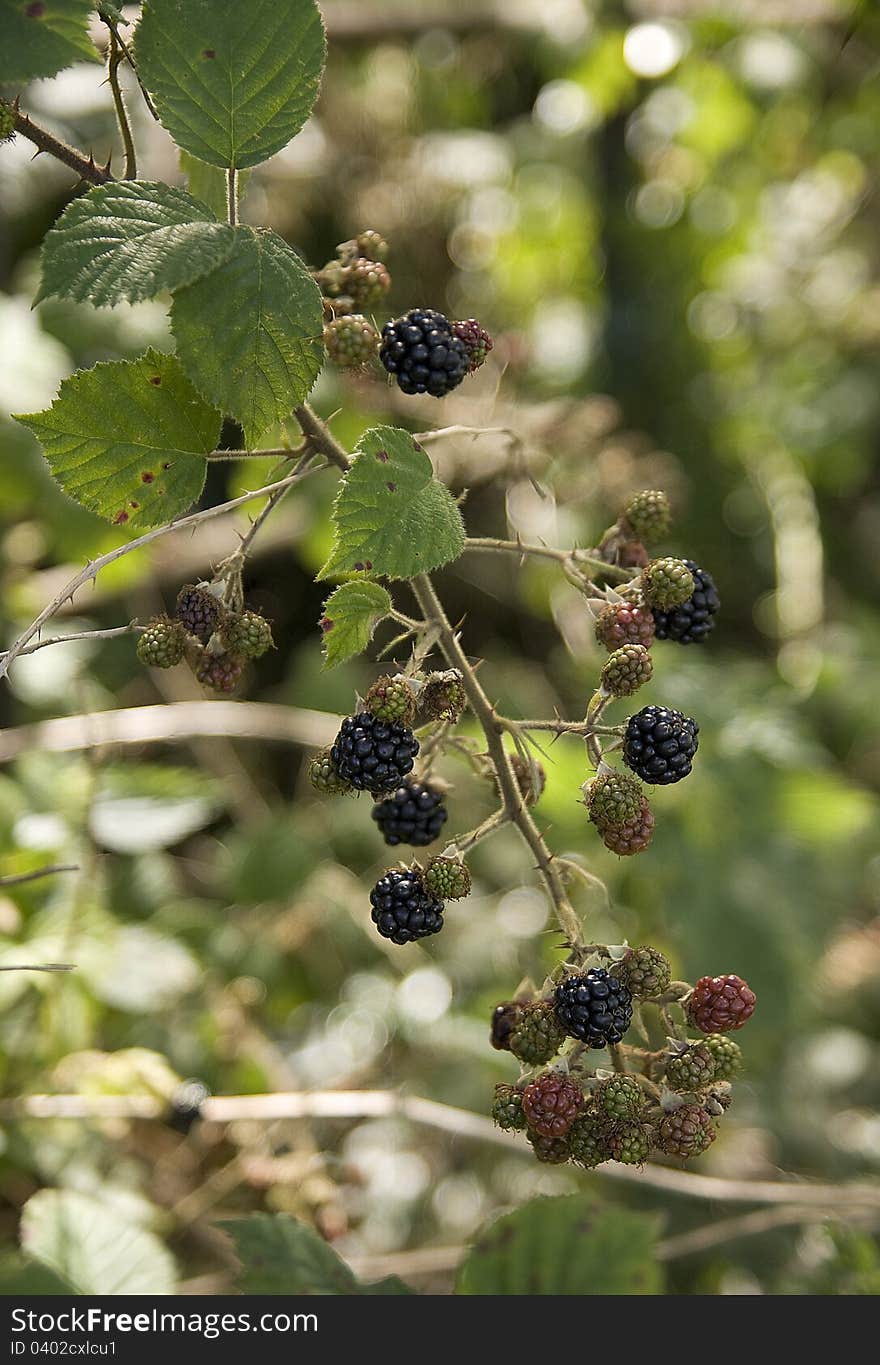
<point x="666" y="212"/>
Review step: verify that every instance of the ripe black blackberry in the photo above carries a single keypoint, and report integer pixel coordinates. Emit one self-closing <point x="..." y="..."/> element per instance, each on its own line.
<point x="422" y="352"/>
<point x="690" y="623"/>
<point x="414" y="814"/>
<point x="594" y="1007"/>
<point x="402" y="909"/>
<point x="659" y="744"/>
<point x="199" y="611"/>
<point x="373" y="755"/>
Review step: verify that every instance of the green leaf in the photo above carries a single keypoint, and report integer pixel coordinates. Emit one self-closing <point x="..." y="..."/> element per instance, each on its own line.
<point x="206" y="183"/>
<point x="280" y="1255"/>
<point x="130" y="240"/>
<point x="568" y="1245"/>
<point x="391" y="516"/>
<point x="40" y="39"/>
<point x="93" y="1247"/>
<point x="232" y="83"/>
<point x="250" y="333"/>
<point x="20" y="1277"/>
<point x="351" y="614"/>
<point x="127" y="439"/>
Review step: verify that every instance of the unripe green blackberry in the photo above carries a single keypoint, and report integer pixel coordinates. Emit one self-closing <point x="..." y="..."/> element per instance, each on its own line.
<point x="391" y="700"/>
<point x="448" y="879"/>
<point x="162" y="643"/>
<point x="247" y="633"/>
<point x="442" y="696"/>
<point x="537" y="1036"/>
<point x="351" y="341"/>
<point x="323" y="775"/>
<point x="624" y="623"/>
<point x="630" y="1142"/>
<point x="366" y="282"/>
<point x="726" y="1054"/>
<point x="505" y="1018"/>
<point x="691" y="1070"/>
<point x="220" y="672"/>
<point x="687" y="1131"/>
<point x="613" y="799"/>
<point x="619" y="1097"/>
<point x="633" y="836"/>
<point x="553" y="1150"/>
<point x="645" y="970"/>
<point x="507" y="1108"/>
<point x="626" y="670"/>
<point x="7" y="121"/>
<point x="648" y="515"/>
<point x="371" y="244"/>
<point x="666" y="583"/>
<point x="588" y="1139"/>
<point x="199" y="611"/>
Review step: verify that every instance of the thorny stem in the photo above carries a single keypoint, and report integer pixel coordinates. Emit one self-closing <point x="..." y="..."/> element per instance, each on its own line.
<point x="115" y="56"/>
<point x="465" y="842"/>
<point x="44" y="141"/>
<point x="129" y="57"/>
<point x="435" y="616"/>
<point x="321" y="438"/>
<point x="576" y="558"/>
<point x="133" y="628"/>
<point x="19" y="878"/>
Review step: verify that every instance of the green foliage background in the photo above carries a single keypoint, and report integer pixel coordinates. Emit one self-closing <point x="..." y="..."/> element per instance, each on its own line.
<point x="681" y="269"/>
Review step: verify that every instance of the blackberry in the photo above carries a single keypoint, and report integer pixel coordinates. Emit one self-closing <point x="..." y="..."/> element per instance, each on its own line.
<point x="448" y="878"/>
<point x="551" y="1104"/>
<point x="414" y="814"/>
<point x="594" y="1007"/>
<point x="391" y="699"/>
<point x="721" y="1004"/>
<point x="659" y="744"/>
<point x="693" y="620"/>
<point x="630" y="1142"/>
<point x="186" y="1105"/>
<point x="645" y="970"/>
<point x="726" y="1054"/>
<point x="323" y="775"/>
<point x="477" y="341"/>
<point x="553" y="1150"/>
<point x="619" y="1097"/>
<point x="537" y="1034"/>
<point x="588" y="1139"/>
<point x="442" y="696"/>
<point x="366" y="282"/>
<point x="633" y="836"/>
<point x="351" y="341"/>
<point x="666" y="583"/>
<point x="371" y="244"/>
<point x="690" y="1070"/>
<point x="402" y="909"/>
<point x="507" y="1108"/>
<point x="648" y="515"/>
<point x="161" y="644"/>
<point x="687" y="1131"/>
<point x="613" y="799"/>
<point x="220" y="672"/>
<point x="373" y="755"/>
<point x="198" y="611"/>
<point x="423" y="354"/>
<point x="504" y="1020"/>
<point x="624" y="623"/>
<point x="626" y="670"/>
<point x="247" y="633"/>
<point x="7" y="121"/>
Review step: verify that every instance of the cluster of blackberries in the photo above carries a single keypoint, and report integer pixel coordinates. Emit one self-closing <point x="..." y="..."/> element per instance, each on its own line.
<point x="671" y="1106"/>
<point x="214" y="639"/>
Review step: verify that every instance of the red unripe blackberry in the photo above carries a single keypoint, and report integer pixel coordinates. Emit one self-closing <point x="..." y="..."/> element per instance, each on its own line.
<point x="624" y="623"/>
<point x="687" y="1131"/>
<point x="551" y="1104"/>
<point x="553" y="1150"/>
<point x="633" y="836"/>
<point x="477" y="341"/>
<point x="720" y="1004"/>
<point x="220" y="672"/>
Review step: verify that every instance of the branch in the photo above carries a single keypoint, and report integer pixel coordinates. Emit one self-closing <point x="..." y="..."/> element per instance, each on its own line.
<point x="514" y="804"/>
<point x="577" y="558"/>
<point x="132" y="629"/>
<point x="173" y="723"/>
<point x="855" y="1198"/>
<point x="115" y="56"/>
<point x="45" y="141"/>
<point x="320" y="437"/>
<point x="19" y="878"/>
<point x="92" y="569"/>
